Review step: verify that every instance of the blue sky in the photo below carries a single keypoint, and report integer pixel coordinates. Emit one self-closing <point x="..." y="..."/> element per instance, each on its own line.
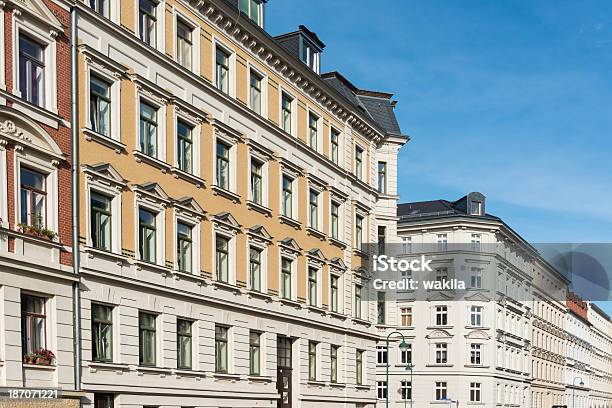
<point x="512" y="99"/>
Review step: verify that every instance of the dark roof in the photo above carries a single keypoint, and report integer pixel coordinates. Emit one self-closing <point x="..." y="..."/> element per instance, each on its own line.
<point x="441" y="208"/>
<point x="600" y="311"/>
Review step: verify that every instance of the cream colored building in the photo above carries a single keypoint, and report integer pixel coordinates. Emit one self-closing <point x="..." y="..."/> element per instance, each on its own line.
<point x="600" y="381"/>
<point x="226" y="190"/>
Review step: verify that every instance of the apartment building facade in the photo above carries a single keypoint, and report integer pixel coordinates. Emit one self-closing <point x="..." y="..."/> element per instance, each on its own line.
<point x="600" y="379"/>
<point x="228" y="190"/>
<point x="577" y="352"/>
<point x="36" y="271"/>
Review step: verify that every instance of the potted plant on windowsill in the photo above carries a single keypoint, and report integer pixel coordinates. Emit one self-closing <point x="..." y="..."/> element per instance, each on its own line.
<point x="36" y="231"/>
<point x="43" y="357"/>
<point x="28" y="358"/>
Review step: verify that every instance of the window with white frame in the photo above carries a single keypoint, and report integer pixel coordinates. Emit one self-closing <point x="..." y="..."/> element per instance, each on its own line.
<point x="147" y="21"/>
<point x="476" y="315"/>
<point x="104" y="108"/>
<point x="147" y="235"/>
<point x="406" y="390"/>
<point x="256" y="91"/>
<point x="313" y="286"/>
<point x="257" y="190"/>
<point x="184" y="43"/>
<point x="335" y="220"/>
<point x="33" y="323"/>
<point x="381" y="390"/>
<point x="441" y="353"/>
<point x="442" y="242"/>
<point x="334" y="151"/>
<point x="441" y="315"/>
<point x="223" y="165"/>
<point x="476" y="354"/>
<point x="407" y="245"/>
<point x="253" y="9"/>
<point x="100" y="105"/>
<point x="334" y="283"/>
<point x="359" y="357"/>
<point x="441" y="390"/>
<point x="254" y="353"/>
<point x="184" y="344"/>
<point x="359" y="231"/>
<point x="184" y="247"/>
<point x="312" y="360"/>
<point x="333" y="357"/>
<point x="33" y="197"/>
<point x="441" y="274"/>
<point x="310" y="55"/>
<point x="101" y="220"/>
<point x="222" y="70"/>
<point x="101" y="333"/>
<point x="406" y="316"/>
<point x="287" y="102"/>
<point x="476" y="278"/>
<point x="148" y="129"/>
<point x="314" y="213"/>
<point x="222" y="258"/>
<point x="357" y="304"/>
<point x="382" y="177"/>
<point x="406" y="355"/>
<point x="184" y="146"/>
<point x="382" y="354"/>
<point x="475" y="392"/>
<point x="359" y="162"/>
<point x="147" y="329"/>
<point x="286" y="278"/>
<point x="287" y="196"/>
<point x="255" y="268"/>
<point x="313" y="130"/>
<point x="101" y="7"/>
<point x="32" y="70"/>
<point x="476" y="242"/>
<point x="221" y="349"/>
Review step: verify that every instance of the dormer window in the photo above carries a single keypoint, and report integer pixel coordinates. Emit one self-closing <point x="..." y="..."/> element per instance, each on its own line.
<point x="310" y="55"/>
<point x="253" y="9"/>
<point x="476" y="208"/>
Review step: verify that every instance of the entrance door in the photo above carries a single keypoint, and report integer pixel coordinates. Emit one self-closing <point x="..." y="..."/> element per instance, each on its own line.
<point x="283" y="375"/>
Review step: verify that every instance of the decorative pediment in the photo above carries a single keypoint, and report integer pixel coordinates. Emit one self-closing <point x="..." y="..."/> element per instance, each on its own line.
<point x="291" y="169"/>
<point x="440" y="295"/>
<point x="105" y="173"/>
<point x="337" y="263"/>
<point x="24" y="133"/>
<point x="477" y="297"/>
<point x="477" y="334"/>
<point x="290" y="246"/>
<point x="259" y="234"/>
<point x="338" y="194"/>
<point x="190" y="207"/>
<point x="362" y="272"/>
<point x="226" y="132"/>
<point x="260" y="151"/>
<point x="316" y="256"/>
<point x="316" y="183"/>
<point x="39" y="11"/>
<point x="153" y="192"/>
<point x="439" y="334"/>
<point x="226" y="221"/>
<point x="361" y="207"/>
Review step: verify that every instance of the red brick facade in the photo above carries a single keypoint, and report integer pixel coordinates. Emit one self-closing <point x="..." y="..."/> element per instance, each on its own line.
<point x="578" y="306"/>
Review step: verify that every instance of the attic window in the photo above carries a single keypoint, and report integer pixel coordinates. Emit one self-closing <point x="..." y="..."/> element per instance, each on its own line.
<point x="310" y="55"/>
<point x="476" y="207"/>
<point x="253" y="9"/>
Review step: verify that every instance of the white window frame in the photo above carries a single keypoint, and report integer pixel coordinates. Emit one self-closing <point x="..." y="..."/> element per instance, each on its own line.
<point x="480" y="352"/>
<point x="341" y="223"/>
<point x="195" y="39"/>
<point x="160" y="230"/>
<point x="263" y="278"/>
<point x="216" y="43"/>
<point x="341" y="300"/>
<point x="319" y="193"/>
<point x="196" y="130"/>
<point x="410" y="312"/>
<point x="333" y="128"/>
<point x="160" y="15"/>
<point x="23" y="24"/>
<point x="231" y="266"/>
<point x="158" y="103"/>
<point x="97" y="186"/>
<point x="479" y="313"/>
<point x="233" y="157"/>
<point x="195" y="240"/>
<point x="382" y="351"/>
<point x="477" y="274"/>
<point x="319" y="269"/>
<point x="294" y="195"/>
<point x="364" y="176"/>
<point x="382" y="388"/>
<point x="107" y="75"/>
<point x="264" y="89"/>
<point x="294" y="107"/>
<point x="364" y="228"/>
<point x="319" y="123"/>
<point x="294" y="262"/>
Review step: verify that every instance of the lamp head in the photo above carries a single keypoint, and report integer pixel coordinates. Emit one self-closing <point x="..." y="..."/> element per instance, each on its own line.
<point x="404" y="346"/>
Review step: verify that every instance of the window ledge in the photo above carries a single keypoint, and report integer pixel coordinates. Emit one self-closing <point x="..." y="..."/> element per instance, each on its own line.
<point x="27" y="237"/>
<point x="259" y="208"/>
<point x="360" y="321"/>
<point x="363" y="387"/>
<point x="226" y="286"/>
<point x="476" y="366"/>
<point x="116" y="145"/>
<point x="290" y="221"/>
<point x="188" y="276"/>
<point x="316" y="309"/>
<point x="259" y="378"/>
<point x="178" y="173"/>
<point x="442" y="326"/>
<point x="315" y="233"/>
<point x="290" y="302"/>
<point x="154" y="370"/>
<point x="91" y="252"/>
<point x="149" y="265"/>
<point x="39" y="367"/>
<point x="337" y="384"/>
<point x="96" y="365"/>
<point x="316" y="383"/>
<point x="337" y="242"/>
<point x="185" y="372"/>
<point x="481" y="328"/>
<point x="359" y="252"/>
<point x="226" y="376"/>
<point x="230" y="195"/>
<point x="152" y="161"/>
<point x="258" y="294"/>
<point x="439" y="365"/>
<point x="337" y="315"/>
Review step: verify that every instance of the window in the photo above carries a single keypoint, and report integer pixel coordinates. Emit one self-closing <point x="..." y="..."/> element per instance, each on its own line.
<point x="256" y="182"/>
<point x="253" y="9"/>
<point x="335" y="219"/>
<point x="148" y="21"/>
<point x="358" y="231"/>
<point x="476" y="242"/>
<point x="407" y="245"/>
<point x="334" y="293"/>
<point x="441" y="353"/>
<point x="333" y="357"/>
<point x="313" y="205"/>
<point x="406" y="390"/>
<point x="286" y="278"/>
<point x="335" y="146"/>
<point x="440" y="391"/>
<point x="221" y="349"/>
<point x="102" y="333"/>
<point x="255" y="269"/>
<point x="441" y="315"/>
<point x="382" y="237"/>
<point x="476" y="315"/>
<point x="406" y="355"/>
<point x="475" y="392"/>
<point x="382" y="354"/>
<point x="147" y="337"/>
<point x="100" y="221"/>
<point x="359" y="162"/>
<point x="475" y="354"/>
<point x="222" y="259"/>
<point x="476" y="208"/>
<point x="312" y="361"/>
<point x="286" y="102"/>
<point x="31" y="71"/>
<point x="101" y="7"/>
<point x="146" y="235"/>
<point x="254" y="353"/>
<point x="442" y="242"/>
<point x="287" y="197"/>
<point x="381" y="390"/>
<point x="313" y="133"/>
<point x="441" y="274"/>
<point x="184" y="146"/>
<point x="103" y="401"/>
<point x="99" y="105"/>
<point x="184" y="247"/>
<point x="222" y="73"/>
<point x="148" y="129"/>
<point x="184" y="43"/>
<point x="34" y="323"/>
<point x="223" y="165"/>
<point x="284" y="352"/>
<point x="310" y="56"/>
<point x="406" y="316"/>
<point x="33" y="198"/>
<point x="382" y="177"/>
<point x="184" y="343"/>
<point x="476" y="278"/>
<point x="359" y="367"/>
<point x="312" y="286"/>
<point x="358" y="294"/>
<point x="255" y="92"/>
<point x="381" y="304"/>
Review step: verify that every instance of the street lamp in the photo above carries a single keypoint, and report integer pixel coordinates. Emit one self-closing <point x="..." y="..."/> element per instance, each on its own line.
<point x="403" y="346"/>
<point x="574" y="390"/>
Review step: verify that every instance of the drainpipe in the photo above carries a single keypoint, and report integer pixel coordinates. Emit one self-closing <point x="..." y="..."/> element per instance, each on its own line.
<point x="76" y="294"/>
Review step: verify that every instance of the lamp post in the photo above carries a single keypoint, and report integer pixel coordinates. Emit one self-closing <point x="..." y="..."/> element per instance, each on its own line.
<point x="574" y="390"/>
<point x="403" y="346"/>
